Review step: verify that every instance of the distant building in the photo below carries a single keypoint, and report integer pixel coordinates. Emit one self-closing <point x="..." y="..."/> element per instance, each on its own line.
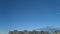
<point x="44" y="32"/>
<point x="10" y="32"/>
<point x="28" y="32"/>
<point x="56" y="32"/>
<point x="20" y="32"/>
<point x="35" y="32"/>
<point x="15" y="32"/>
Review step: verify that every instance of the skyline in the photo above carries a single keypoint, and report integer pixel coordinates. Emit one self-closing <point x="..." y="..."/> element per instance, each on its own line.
<point x="29" y="14"/>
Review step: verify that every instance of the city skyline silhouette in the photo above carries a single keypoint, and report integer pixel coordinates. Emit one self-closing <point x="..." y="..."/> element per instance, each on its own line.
<point x="28" y="14"/>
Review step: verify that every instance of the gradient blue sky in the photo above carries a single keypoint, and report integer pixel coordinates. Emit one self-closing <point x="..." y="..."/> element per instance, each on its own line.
<point x="28" y="14"/>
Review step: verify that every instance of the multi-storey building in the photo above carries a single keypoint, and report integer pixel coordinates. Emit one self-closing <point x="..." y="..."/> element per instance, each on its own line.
<point x="44" y="32"/>
<point x="15" y="32"/>
<point x="26" y="32"/>
<point x="20" y="32"/>
<point x="10" y="32"/>
<point x="30" y="32"/>
<point x="56" y="32"/>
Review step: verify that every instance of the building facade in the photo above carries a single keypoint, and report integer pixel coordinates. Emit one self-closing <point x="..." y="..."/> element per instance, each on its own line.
<point x="56" y="32"/>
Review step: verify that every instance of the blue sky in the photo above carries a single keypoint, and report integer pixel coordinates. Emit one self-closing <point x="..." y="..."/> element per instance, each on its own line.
<point x="28" y="14"/>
